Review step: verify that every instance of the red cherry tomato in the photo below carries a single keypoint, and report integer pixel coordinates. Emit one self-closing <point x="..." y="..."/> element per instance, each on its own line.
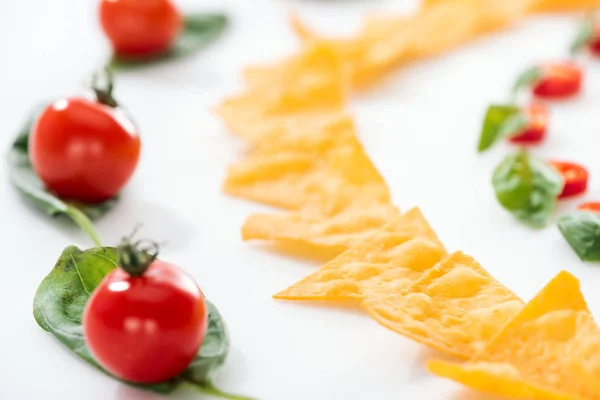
<point x="535" y="132"/>
<point x="558" y="80"/>
<point x="574" y="175"/>
<point x="590" y="206"/>
<point x="140" y="28"/>
<point x="83" y="150"/>
<point x="148" y="328"/>
<point x="594" y="44"/>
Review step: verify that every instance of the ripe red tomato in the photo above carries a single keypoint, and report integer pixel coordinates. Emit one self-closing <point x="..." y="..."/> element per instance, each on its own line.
<point x="148" y="328"/>
<point x="535" y="131"/>
<point x="558" y="80"/>
<point x="83" y="150"/>
<point x="590" y="206"/>
<point x="574" y="175"/>
<point x="594" y="43"/>
<point x="140" y="28"/>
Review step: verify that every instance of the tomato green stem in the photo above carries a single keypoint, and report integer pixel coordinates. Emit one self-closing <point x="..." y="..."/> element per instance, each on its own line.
<point x="208" y="388"/>
<point x="84" y="223"/>
<point x="103" y="85"/>
<point x="136" y="257"/>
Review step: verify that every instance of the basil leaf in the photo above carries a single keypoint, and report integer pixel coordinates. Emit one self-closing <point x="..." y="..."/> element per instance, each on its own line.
<point x="500" y="121"/>
<point x="526" y="79"/>
<point x="199" y="30"/>
<point x="215" y="348"/>
<point x="27" y="183"/>
<point x="527" y="187"/>
<point x="584" y="34"/>
<point x="581" y="229"/>
<point x="60" y="301"/>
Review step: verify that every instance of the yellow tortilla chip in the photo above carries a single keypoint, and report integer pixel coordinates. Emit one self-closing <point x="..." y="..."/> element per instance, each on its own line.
<point x="541" y="5"/>
<point x="455" y="307"/>
<point x="550" y="350"/>
<point x="385" y="42"/>
<point x="340" y="173"/>
<point x="315" y="85"/>
<point x="299" y="132"/>
<point x="407" y="244"/>
<point x="335" y="231"/>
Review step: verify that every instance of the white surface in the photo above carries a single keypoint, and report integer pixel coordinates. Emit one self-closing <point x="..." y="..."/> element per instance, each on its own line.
<point x="420" y="128"/>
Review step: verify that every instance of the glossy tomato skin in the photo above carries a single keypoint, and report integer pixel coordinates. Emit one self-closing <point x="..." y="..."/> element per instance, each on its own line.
<point x="83" y="150"/>
<point x="535" y="132"/>
<point x="146" y="329"/>
<point x="575" y="177"/>
<point x="140" y="28"/>
<point x="559" y="80"/>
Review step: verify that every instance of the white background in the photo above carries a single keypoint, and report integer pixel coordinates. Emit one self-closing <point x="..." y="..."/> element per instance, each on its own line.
<point x="420" y="128"/>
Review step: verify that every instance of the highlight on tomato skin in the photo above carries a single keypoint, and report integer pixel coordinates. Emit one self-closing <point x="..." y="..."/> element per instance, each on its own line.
<point x="83" y="150"/>
<point x="593" y="206"/>
<point x="146" y="320"/>
<point x="535" y="132"/>
<point x="574" y="175"/>
<point x="558" y="80"/>
<point x="140" y="29"/>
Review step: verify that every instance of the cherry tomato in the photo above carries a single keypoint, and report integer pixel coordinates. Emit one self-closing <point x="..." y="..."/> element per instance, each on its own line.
<point x="594" y="43"/>
<point x="535" y="132"/>
<point x="590" y="206"/>
<point x="574" y="175"/>
<point x="148" y="328"/>
<point x="83" y="150"/>
<point x="140" y="28"/>
<point x="558" y="80"/>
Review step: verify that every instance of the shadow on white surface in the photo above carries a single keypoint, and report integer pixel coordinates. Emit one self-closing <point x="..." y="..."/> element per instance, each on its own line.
<point x="126" y="392"/>
<point x="156" y="223"/>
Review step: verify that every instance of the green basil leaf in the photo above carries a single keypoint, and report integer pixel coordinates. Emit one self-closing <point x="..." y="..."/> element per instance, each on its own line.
<point x="581" y="229"/>
<point x="27" y="183"/>
<point x="526" y="79"/>
<point x="500" y="121"/>
<point x="585" y="33"/>
<point x="213" y="353"/>
<point x="199" y="30"/>
<point x="527" y="187"/>
<point x="61" y="298"/>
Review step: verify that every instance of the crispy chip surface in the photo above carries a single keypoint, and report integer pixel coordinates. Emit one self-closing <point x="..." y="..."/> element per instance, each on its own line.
<point x="311" y="82"/>
<point x="316" y="175"/>
<point x="455" y="307"/>
<point x="549" y="350"/>
<point x="336" y="231"/>
<point x="406" y="245"/>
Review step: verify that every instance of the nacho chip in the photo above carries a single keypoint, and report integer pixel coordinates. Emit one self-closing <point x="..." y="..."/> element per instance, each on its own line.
<point x="455" y="307"/>
<point x="300" y="131"/>
<point x="339" y="173"/>
<point x="406" y="244"/>
<point x="336" y="231"/>
<point x="550" y="350"/>
<point x="314" y="84"/>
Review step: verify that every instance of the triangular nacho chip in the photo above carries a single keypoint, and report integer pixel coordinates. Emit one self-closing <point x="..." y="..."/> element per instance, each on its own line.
<point x="305" y="177"/>
<point x="550" y="350"/>
<point x="455" y="307"/>
<point x="316" y="84"/>
<point x="335" y="232"/>
<point x="406" y="244"/>
<point x="296" y="130"/>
